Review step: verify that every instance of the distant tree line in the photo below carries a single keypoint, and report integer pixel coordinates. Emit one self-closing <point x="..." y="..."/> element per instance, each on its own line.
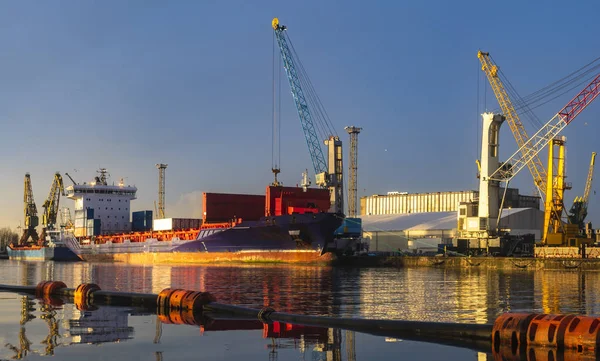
<point x="7" y="236"/>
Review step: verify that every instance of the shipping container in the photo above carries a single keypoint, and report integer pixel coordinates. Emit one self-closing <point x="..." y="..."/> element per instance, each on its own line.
<point x="141" y="221"/>
<point x="79" y="223"/>
<point x="173" y="224"/>
<point x="79" y="231"/>
<point x="280" y="200"/>
<point x="224" y="207"/>
<point x="97" y="227"/>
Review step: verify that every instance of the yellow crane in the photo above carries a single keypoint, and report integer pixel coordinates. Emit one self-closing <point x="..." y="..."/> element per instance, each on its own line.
<point x="50" y="206"/>
<point x="556" y="232"/>
<point x="553" y="215"/>
<point x="30" y="210"/>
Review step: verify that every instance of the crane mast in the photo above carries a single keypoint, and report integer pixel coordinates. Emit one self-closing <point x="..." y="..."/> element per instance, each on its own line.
<point x="328" y="173"/>
<point x="30" y="211"/>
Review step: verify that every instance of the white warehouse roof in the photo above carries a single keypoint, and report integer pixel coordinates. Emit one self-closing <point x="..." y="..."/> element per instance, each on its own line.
<point x="418" y="221"/>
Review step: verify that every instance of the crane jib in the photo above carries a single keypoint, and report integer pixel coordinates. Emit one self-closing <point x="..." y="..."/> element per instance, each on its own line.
<point x="582" y="100"/>
<point x="304" y="112"/>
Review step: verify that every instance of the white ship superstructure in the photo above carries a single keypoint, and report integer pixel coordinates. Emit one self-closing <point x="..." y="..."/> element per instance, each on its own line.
<point x="101" y="208"/>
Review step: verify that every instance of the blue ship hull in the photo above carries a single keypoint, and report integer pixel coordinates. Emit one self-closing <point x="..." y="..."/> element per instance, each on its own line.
<point x="41" y="254"/>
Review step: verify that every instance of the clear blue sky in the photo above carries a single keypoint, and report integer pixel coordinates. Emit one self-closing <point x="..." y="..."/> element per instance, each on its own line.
<point x="127" y="84"/>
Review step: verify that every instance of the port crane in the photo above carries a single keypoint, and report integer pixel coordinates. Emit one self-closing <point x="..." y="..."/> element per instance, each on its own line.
<point x="51" y="209"/>
<point x="30" y="211"/>
<point x="328" y="174"/>
<point x="545" y="185"/>
<point x="578" y="210"/>
<point x="480" y="221"/>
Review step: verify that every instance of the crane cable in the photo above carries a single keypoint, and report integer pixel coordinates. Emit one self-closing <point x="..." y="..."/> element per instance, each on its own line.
<point x="323" y="121"/>
<point x="549" y="92"/>
<point x="276" y="126"/>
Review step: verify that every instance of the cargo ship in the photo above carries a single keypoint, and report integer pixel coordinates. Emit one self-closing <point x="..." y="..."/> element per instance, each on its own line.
<point x="286" y="225"/>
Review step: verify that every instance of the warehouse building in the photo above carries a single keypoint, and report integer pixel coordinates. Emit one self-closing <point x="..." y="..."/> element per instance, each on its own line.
<point x="422" y="232"/>
<point x="407" y="203"/>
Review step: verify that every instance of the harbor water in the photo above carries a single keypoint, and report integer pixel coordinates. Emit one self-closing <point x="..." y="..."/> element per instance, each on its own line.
<point x="30" y="329"/>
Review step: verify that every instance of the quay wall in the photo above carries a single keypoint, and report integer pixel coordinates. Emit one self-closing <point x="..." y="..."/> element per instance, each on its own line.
<point x="503" y="263"/>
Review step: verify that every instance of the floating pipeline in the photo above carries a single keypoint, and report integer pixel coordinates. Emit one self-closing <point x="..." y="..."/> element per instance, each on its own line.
<point x="512" y="334"/>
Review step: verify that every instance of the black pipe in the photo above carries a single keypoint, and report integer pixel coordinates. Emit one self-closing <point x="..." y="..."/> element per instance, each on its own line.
<point x="437" y="332"/>
<point x="416" y="328"/>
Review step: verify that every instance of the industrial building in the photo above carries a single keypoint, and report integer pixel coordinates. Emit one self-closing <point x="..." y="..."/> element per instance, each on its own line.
<point x="407" y="203"/>
<point x="417" y="232"/>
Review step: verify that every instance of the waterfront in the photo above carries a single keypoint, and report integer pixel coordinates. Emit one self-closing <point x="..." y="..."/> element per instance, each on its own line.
<point x="425" y="294"/>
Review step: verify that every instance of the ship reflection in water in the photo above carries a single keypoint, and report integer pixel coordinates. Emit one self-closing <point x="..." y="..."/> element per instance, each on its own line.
<point x="101" y="325"/>
<point x="110" y="324"/>
<point x="88" y="327"/>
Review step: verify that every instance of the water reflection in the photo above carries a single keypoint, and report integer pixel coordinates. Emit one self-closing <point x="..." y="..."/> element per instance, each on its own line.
<point x="106" y="325"/>
<point x="111" y="325"/>
<point x="99" y="326"/>
<point x="431" y="294"/>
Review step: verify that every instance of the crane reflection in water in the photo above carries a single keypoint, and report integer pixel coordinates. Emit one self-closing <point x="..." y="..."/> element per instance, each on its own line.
<point x="111" y="324"/>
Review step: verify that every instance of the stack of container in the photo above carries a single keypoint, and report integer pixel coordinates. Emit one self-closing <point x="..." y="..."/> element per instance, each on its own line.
<point x="93" y="227"/>
<point x="83" y="226"/>
<point x="141" y="221"/>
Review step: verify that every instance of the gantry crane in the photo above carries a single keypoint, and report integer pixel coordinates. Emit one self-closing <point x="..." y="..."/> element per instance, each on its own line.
<point x="30" y="210"/>
<point x="50" y="215"/>
<point x="553" y="200"/>
<point x="578" y="210"/>
<point x="329" y="174"/>
<point x="480" y="222"/>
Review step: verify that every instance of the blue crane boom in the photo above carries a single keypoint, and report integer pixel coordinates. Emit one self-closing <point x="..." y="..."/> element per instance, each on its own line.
<point x="306" y="120"/>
